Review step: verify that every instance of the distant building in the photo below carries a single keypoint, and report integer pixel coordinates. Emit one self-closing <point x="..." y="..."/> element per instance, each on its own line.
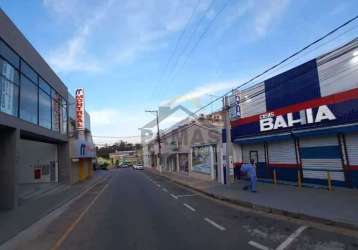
<point x="129" y="156"/>
<point x="191" y="147"/>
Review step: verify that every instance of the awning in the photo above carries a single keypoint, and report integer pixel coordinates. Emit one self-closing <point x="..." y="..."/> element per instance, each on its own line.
<point x="298" y="133"/>
<point x="262" y="138"/>
<point x="327" y="131"/>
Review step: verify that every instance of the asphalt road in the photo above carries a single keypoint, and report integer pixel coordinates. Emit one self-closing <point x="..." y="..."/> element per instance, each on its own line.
<point x="139" y="210"/>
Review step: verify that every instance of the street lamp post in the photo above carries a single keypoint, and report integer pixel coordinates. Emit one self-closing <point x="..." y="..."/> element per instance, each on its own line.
<point x="158" y="137"/>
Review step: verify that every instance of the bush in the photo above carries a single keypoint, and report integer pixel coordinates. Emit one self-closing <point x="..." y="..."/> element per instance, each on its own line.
<point x="104" y="165"/>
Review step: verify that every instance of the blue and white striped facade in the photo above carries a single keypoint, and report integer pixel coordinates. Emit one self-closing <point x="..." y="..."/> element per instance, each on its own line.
<point x="303" y="121"/>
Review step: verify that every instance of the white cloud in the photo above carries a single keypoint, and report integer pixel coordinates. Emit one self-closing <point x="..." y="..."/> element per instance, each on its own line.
<point x="104" y="117"/>
<point x="126" y="123"/>
<point x="116" y="32"/>
<point x="119" y="124"/>
<point x="73" y="56"/>
<point x="63" y="7"/>
<point x="267" y="14"/>
<point x="120" y="32"/>
<point x="256" y="17"/>
<point x="201" y="91"/>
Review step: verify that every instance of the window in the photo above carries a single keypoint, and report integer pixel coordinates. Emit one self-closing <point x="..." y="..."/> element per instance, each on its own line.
<point x="44" y="109"/>
<point x="9" y="72"/>
<point x="27" y="71"/>
<point x="28" y="100"/>
<point x="63" y="116"/>
<point x="56" y="111"/>
<point x="9" y="90"/>
<point x="9" y="55"/>
<point x="44" y="86"/>
<point x="45" y="117"/>
<point x="9" y="93"/>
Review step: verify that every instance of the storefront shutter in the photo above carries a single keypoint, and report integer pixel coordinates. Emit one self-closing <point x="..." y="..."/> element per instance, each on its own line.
<point x="282" y="152"/>
<point x="319" y="155"/>
<point x="352" y="149"/>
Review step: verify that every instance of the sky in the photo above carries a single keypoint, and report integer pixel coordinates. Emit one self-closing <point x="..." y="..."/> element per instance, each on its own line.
<point x="136" y="55"/>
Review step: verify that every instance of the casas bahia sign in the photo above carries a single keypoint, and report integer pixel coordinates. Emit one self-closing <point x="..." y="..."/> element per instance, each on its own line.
<point x="270" y="121"/>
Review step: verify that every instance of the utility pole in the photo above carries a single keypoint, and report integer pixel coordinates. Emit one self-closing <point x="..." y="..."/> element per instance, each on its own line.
<point x="158" y="138"/>
<point x="228" y="139"/>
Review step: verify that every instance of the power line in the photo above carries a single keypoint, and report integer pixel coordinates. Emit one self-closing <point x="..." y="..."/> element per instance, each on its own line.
<point x="176" y="47"/>
<point x="281" y="62"/>
<point x="191" y="37"/>
<point x="181" y="37"/>
<point x="204" y="33"/>
<point x="175" y="131"/>
<point x="304" y="54"/>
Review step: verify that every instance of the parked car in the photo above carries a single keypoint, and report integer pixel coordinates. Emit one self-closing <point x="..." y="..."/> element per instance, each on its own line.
<point x="124" y="165"/>
<point x="138" y="167"/>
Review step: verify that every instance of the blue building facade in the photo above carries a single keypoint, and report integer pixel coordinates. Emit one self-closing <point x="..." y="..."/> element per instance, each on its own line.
<point x="303" y="122"/>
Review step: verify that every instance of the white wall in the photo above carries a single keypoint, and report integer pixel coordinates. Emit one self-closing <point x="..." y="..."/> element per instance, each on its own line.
<point x="31" y="155"/>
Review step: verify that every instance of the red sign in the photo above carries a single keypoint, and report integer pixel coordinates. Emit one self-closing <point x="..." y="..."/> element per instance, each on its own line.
<point x="80" y="109"/>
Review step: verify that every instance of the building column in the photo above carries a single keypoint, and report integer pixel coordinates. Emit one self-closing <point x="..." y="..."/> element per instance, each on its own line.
<point x="190" y="160"/>
<point x="64" y="163"/>
<point x="9" y="140"/>
<point x="82" y="169"/>
<point x="177" y="162"/>
<point x="212" y="163"/>
<point x="90" y="167"/>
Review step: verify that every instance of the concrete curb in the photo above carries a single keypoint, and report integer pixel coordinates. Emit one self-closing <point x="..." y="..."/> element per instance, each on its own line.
<point x="265" y="209"/>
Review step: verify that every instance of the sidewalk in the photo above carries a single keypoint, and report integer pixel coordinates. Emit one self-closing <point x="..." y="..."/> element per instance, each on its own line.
<point x="37" y="206"/>
<point x="28" y="192"/>
<point x="338" y="207"/>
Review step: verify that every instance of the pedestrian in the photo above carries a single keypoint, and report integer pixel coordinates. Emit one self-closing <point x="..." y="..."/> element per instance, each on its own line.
<point x="250" y="170"/>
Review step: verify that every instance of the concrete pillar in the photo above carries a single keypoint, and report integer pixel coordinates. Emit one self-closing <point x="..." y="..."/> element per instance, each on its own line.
<point x="190" y="159"/>
<point x="90" y="167"/>
<point x="64" y="163"/>
<point x="177" y="162"/>
<point x="82" y="170"/>
<point x="212" y="162"/>
<point x="9" y="139"/>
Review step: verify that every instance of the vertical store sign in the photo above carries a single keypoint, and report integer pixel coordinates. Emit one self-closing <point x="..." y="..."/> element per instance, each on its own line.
<point x="80" y="109"/>
<point x="234" y="103"/>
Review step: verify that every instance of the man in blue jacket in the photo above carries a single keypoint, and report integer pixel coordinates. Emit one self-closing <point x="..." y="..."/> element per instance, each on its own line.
<point x="250" y="170"/>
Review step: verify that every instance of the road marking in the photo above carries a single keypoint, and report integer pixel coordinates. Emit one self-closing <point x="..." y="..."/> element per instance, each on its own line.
<point x="215" y="224"/>
<point x="291" y="238"/>
<point x="75" y="223"/>
<point x="186" y="195"/>
<point x="189" y="207"/>
<point x="259" y="233"/>
<point x="165" y="190"/>
<point x="258" y="245"/>
<point x="172" y="195"/>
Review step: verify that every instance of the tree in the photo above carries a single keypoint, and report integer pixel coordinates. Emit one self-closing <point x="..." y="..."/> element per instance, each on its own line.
<point x="118" y="146"/>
